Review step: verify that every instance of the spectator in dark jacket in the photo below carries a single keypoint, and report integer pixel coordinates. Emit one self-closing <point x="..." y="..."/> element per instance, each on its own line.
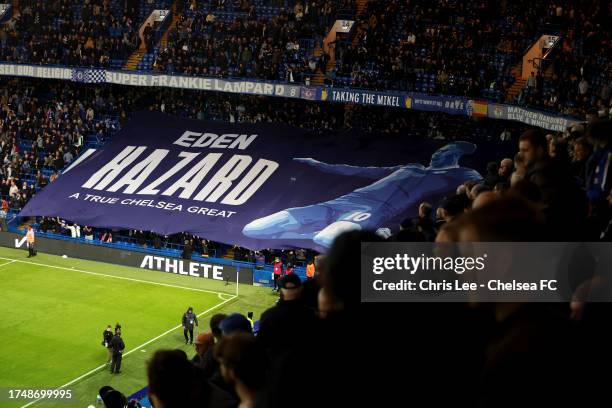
<point x="565" y="205"/>
<point x="288" y="324"/>
<point x="492" y="176"/>
<point x="176" y="383"/>
<point x="210" y="366"/>
<point x="581" y="153"/>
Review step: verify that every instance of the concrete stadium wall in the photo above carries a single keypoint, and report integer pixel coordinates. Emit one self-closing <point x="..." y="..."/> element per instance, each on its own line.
<point x="187" y="268"/>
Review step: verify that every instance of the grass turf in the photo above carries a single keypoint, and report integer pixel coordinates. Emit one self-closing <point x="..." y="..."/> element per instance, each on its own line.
<point x="54" y="313"/>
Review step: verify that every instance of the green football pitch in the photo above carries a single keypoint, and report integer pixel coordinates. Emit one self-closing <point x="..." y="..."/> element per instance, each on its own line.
<point x="55" y="309"/>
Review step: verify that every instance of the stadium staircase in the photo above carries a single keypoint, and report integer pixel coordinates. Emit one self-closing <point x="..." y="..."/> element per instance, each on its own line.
<point x="164" y="40"/>
<point x="319" y="78"/>
<point x="519" y="82"/>
<point x="134" y="60"/>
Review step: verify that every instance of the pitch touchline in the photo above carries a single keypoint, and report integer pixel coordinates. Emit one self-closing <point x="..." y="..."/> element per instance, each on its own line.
<point x="131" y="351"/>
<point x="7" y="263"/>
<point x="112" y="276"/>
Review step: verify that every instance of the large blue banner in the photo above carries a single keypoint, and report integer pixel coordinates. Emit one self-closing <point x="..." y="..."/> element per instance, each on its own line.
<point x="258" y="186"/>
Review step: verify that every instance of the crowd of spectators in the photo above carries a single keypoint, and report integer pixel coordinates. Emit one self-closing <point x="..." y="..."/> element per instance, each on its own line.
<point x="87" y="33"/>
<point x="577" y="80"/>
<point x="448" y="47"/>
<point x="439" y="47"/>
<point x="246" y="44"/>
<point x="442" y="47"/>
<point x="40" y="136"/>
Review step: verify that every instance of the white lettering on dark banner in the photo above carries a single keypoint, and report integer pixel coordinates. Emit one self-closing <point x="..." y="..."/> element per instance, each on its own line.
<point x="182" y="267"/>
<point x="233" y="182"/>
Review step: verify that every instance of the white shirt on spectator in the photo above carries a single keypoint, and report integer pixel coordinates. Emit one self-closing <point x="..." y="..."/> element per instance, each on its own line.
<point x="14" y="191"/>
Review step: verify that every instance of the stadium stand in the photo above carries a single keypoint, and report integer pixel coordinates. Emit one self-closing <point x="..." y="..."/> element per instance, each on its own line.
<point x="439" y="47"/>
<point x="97" y="33"/>
<point x="249" y="41"/>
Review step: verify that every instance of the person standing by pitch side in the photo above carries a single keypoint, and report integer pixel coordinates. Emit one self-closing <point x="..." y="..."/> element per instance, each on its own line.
<point x="107" y="335"/>
<point x="31" y="239"/>
<point x="278" y="271"/>
<point x="118" y="346"/>
<point x="189" y="319"/>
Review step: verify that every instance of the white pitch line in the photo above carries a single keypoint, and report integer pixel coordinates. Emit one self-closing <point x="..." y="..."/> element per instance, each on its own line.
<point x="129" y="352"/>
<point x="220" y="295"/>
<point x="7" y="263"/>
<point x="114" y="276"/>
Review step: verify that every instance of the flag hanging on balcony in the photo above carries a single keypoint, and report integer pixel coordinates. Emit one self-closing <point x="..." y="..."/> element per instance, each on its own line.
<point x="89" y="76"/>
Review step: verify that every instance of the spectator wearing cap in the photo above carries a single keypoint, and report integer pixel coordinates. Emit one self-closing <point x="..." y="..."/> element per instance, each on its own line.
<point x="243" y="366"/>
<point x="287" y="324"/>
<point x="203" y="342"/>
<point x="235" y="322"/>
<point x="112" y="398"/>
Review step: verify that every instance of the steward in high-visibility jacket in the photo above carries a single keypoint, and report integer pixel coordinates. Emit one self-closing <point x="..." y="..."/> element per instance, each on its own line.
<point x="30" y="237"/>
